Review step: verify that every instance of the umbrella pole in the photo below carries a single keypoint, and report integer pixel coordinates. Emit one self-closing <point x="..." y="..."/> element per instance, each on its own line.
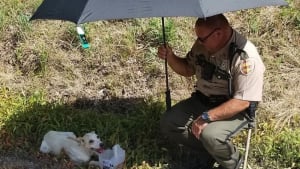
<point x="168" y="93"/>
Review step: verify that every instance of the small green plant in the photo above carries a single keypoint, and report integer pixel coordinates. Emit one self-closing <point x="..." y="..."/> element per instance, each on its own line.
<point x="43" y="61"/>
<point x="25" y="26"/>
<point x="152" y="63"/>
<point x="276" y="147"/>
<point x="154" y="32"/>
<point x="292" y="13"/>
<point x="2" y="17"/>
<point x="287" y="147"/>
<point x="33" y="61"/>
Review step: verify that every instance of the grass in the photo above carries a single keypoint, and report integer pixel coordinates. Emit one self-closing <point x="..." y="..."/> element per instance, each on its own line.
<point x="47" y="81"/>
<point x="33" y="116"/>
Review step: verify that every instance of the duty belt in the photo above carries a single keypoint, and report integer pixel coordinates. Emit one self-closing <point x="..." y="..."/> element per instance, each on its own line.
<point x="211" y="101"/>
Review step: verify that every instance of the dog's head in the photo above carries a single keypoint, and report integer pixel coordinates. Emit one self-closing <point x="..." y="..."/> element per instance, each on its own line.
<point x="92" y="141"/>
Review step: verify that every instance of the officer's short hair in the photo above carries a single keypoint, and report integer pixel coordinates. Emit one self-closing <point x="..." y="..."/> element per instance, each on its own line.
<point x="213" y="22"/>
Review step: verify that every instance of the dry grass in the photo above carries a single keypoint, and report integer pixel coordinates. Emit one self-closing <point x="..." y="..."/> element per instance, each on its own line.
<point x="121" y="63"/>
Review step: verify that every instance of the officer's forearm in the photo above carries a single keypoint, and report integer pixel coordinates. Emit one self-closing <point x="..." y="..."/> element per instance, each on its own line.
<point x="228" y="109"/>
<point x="180" y="66"/>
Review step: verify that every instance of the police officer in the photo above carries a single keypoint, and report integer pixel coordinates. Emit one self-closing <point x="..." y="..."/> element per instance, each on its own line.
<point x="229" y="74"/>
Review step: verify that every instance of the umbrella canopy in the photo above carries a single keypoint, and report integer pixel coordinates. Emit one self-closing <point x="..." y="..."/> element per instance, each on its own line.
<point x="82" y="11"/>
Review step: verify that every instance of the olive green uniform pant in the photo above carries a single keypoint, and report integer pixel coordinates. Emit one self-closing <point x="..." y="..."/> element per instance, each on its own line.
<point x="215" y="139"/>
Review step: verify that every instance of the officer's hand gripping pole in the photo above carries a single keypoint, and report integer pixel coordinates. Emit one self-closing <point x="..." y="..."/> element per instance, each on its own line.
<point x="168" y="93"/>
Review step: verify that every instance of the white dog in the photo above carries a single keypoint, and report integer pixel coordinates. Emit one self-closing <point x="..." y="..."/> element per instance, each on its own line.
<point x="78" y="149"/>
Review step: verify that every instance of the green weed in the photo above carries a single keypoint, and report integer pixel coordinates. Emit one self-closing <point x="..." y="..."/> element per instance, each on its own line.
<point x="277" y="147"/>
<point x="2" y="17"/>
<point x="292" y="14"/>
<point x="154" y="31"/>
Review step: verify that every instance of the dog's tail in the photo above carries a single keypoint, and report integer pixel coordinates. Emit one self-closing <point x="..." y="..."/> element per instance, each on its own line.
<point x="44" y="147"/>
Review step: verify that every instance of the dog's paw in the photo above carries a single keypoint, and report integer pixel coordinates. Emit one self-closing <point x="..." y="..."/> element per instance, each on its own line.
<point x="44" y="147"/>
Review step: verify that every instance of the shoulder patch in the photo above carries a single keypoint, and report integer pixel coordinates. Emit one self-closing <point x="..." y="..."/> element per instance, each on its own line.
<point x="247" y="66"/>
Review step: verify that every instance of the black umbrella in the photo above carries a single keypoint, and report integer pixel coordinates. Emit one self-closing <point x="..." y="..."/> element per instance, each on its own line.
<point x="82" y="11"/>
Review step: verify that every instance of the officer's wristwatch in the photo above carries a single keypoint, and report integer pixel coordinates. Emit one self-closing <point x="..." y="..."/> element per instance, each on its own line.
<point x="205" y="117"/>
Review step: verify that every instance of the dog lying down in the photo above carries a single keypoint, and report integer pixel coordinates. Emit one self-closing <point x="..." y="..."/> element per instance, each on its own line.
<point x="79" y="149"/>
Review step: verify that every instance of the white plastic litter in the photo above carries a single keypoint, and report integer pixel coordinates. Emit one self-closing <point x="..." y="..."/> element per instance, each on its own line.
<point x="112" y="158"/>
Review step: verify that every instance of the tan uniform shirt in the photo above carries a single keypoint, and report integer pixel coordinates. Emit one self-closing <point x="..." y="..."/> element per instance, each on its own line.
<point x="247" y="72"/>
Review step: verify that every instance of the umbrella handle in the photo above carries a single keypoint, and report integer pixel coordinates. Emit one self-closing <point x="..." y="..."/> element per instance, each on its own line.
<point x="82" y="37"/>
<point x="168" y="93"/>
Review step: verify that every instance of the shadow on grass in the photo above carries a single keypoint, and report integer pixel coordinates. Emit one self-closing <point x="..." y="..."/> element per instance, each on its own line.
<point x="131" y="122"/>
